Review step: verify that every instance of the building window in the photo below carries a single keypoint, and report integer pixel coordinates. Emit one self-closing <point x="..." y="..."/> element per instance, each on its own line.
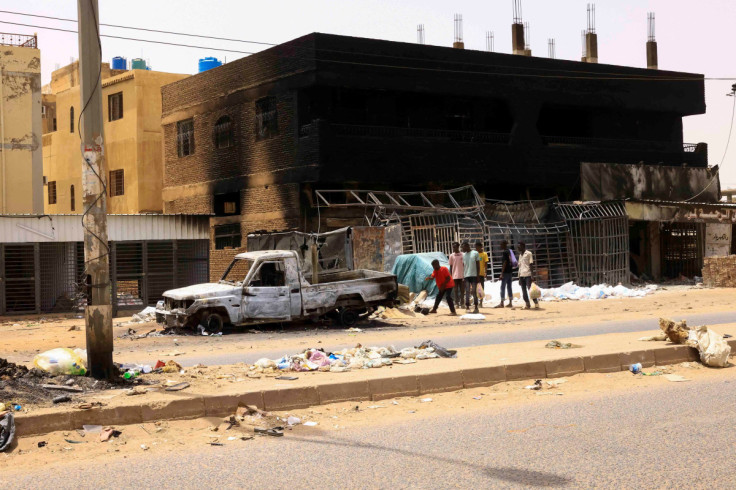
<point x="223" y="132"/>
<point x="117" y="183"/>
<point x="266" y="118"/>
<point x="227" y="236"/>
<point x="71" y="119"/>
<point x="52" y="192"/>
<point x="115" y="106"/>
<point x="71" y="197"/>
<point x="185" y="137"/>
<point x="54" y="124"/>
<point x="226" y="204"/>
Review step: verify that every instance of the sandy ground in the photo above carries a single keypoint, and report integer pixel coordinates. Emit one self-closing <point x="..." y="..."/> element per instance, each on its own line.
<point x="152" y="439"/>
<point x="24" y="337"/>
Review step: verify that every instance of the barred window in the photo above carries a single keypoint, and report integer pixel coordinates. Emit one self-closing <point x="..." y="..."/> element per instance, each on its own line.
<point x="117" y="183"/>
<point x="223" y="132"/>
<point x="52" y="192"/>
<point x="185" y="137"/>
<point x="266" y="118"/>
<point x="115" y="106"/>
<point x="227" y="236"/>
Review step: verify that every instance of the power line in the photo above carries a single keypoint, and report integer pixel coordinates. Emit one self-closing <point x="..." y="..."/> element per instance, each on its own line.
<point x="596" y="75"/>
<point x="351" y="53"/>
<point x="141" y="29"/>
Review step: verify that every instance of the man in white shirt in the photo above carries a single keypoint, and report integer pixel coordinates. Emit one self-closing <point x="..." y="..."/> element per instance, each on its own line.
<point x="526" y="262"/>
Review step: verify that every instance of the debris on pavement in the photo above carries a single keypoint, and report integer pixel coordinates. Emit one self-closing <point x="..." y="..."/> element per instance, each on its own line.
<point x="61" y="399"/>
<point x="73" y="389"/>
<point x="107" y="433"/>
<point x="441" y="351"/>
<point x="172" y="367"/>
<point x="425" y="400"/>
<point x="536" y="386"/>
<point x="556" y="344"/>
<point x="62" y="361"/>
<point x="7" y="430"/>
<point x="713" y="349"/>
<point x="676" y="332"/>
<point x="178" y="386"/>
<point x="309" y="424"/>
<point x="473" y="316"/>
<point x="654" y="338"/>
<point x="635" y="368"/>
<point x="9" y="370"/>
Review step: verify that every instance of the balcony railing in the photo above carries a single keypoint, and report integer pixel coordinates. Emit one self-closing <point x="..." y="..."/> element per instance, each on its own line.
<point x="395" y="132"/>
<point x="617" y="143"/>
<point x="22" y="40"/>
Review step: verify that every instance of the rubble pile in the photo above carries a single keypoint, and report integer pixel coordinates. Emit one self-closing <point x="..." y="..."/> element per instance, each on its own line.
<point x="713" y="349"/>
<point x="358" y="357"/>
<point x="720" y="272"/>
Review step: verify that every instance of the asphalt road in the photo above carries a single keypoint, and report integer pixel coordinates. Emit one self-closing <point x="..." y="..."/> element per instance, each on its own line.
<point x="455" y="341"/>
<point x="679" y="435"/>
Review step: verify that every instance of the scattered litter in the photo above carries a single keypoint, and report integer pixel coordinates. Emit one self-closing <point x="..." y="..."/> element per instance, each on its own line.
<point x="136" y="390"/>
<point x="273" y="431"/>
<point x="172" y="367"/>
<point x="73" y="389"/>
<point x="62" y="361"/>
<point x="286" y="378"/>
<point x="309" y="424"/>
<point x="70" y="441"/>
<point x="212" y="443"/>
<point x="394" y="402"/>
<point x="714" y="351"/>
<point x="178" y="386"/>
<point x="536" y="386"/>
<point x="377" y="406"/>
<point x="108" y="433"/>
<point x="412" y="411"/>
<point x="675" y="378"/>
<point x="92" y="429"/>
<point x="147" y="314"/>
<point x="144" y="447"/>
<point x="473" y="316"/>
<point x="62" y="399"/>
<point x="477" y="397"/>
<point x="441" y="351"/>
<point x="354" y="330"/>
<point x="570" y="291"/>
<point x="635" y="368"/>
<point x="426" y="400"/>
<point x="553" y="383"/>
<point x="654" y="338"/>
<point x="554" y="393"/>
<point x="293" y="420"/>
<point x="556" y="344"/>
<point x="42" y="444"/>
<point x="7" y="430"/>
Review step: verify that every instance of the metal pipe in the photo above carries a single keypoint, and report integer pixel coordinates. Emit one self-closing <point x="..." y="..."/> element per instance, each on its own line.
<point x="2" y="136"/>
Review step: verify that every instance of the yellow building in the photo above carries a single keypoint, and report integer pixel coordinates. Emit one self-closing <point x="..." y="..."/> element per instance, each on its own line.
<point x="131" y="115"/>
<point x="21" y="165"/>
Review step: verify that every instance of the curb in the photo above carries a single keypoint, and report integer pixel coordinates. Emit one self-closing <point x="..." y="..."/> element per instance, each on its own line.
<point x="192" y="407"/>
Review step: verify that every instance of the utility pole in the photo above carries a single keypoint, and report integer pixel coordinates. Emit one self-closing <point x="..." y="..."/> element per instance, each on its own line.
<point x="98" y="314"/>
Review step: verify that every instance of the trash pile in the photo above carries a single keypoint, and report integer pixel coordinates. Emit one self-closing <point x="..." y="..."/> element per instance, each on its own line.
<point x="358" y="357"/>
<point x="713" y="349"/>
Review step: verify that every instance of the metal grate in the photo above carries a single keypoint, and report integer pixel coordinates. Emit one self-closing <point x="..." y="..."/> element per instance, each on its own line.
<point x="19" y="278"/>
<point x="160" y="276"/>
<point x="600" y="241"/>
<point x="548" y="242"/>
<point x="128" y="264"/>
<point x="682" y="249"/>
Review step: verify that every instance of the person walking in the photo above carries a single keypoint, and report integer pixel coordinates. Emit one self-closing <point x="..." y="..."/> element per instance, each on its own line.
<point x="444" y="282"/>
<point x="483" y="268"/>
<point x="471" y="261"/>
<point x="457" y="270"/>
<point x="526" y="264"/>
<point x="506" y="269"/>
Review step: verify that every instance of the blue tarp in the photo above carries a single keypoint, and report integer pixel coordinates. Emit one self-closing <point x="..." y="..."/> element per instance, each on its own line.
<point x="411" y="269"/>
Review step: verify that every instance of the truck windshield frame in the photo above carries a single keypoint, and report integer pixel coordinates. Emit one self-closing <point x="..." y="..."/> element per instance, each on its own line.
<point x="237" y="271"/>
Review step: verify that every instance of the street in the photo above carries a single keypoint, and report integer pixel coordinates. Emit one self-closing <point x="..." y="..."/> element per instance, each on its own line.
<point x="665" y="435"/>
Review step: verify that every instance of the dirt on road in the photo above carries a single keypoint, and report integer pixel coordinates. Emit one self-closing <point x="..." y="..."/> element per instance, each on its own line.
<point x="24" y="337"/>
<point x="140" y="442"/>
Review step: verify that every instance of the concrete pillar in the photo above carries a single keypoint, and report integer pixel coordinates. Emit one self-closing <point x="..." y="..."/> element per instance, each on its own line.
<point x="591" y="47"/>
<point x="655" y="258"/>
<point x="652" y="55"/>
<point x="517" y="39"/>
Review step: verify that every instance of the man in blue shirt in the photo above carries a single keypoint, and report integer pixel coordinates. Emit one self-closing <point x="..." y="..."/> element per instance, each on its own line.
<point x="471" y="263"/>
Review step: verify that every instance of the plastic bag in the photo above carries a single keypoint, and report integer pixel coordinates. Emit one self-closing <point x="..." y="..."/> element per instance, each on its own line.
<point x="714" y="351"/>
<point x="481" y="292"/>
<point x="534" y="291"/>
<point x="61" y="361"/>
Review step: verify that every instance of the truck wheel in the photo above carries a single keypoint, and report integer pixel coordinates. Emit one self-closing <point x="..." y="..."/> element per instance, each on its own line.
<point x="213" y="323"/>
<point x="348" y="317"/>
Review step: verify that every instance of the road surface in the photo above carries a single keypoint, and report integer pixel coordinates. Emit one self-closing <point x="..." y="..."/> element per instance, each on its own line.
<point x="472" y="340"/>
<point x="678" y="434"/>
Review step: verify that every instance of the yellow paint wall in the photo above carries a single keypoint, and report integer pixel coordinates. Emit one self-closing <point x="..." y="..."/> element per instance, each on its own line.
<point x="132" y="144"/>
<point x="20" y="127"/>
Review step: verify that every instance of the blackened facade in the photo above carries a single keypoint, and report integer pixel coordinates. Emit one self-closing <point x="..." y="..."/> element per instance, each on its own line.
<point x="335" y="112"/>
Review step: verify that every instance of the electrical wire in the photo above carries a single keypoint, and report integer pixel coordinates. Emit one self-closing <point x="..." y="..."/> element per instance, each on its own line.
<point x="725" y="151"/>
<point x="91" y="167"/>
<point x="595" y="75"/>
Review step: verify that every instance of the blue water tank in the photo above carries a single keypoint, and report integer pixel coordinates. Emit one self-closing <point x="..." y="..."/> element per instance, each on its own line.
<point x="208" y="63"/>
<point x="119" y="63"/>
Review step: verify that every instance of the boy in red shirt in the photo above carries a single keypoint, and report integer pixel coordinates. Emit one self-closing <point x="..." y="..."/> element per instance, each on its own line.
<point x="444" y="282"/>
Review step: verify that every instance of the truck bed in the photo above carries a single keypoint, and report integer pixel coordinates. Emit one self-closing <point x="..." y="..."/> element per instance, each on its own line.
<point x="369" y="287"/>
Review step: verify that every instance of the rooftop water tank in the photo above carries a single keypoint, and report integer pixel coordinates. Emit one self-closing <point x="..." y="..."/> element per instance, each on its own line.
<point x="119" y="63"/>
<point x="138" y="64"/>
<point x="208" y="63"/>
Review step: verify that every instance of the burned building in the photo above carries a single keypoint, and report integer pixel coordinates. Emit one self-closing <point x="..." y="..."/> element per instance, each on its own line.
<point x="252" y="140"/>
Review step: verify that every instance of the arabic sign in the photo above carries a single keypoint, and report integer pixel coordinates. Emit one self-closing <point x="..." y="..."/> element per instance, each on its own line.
<point x="707" y="215"/>
<point x="717" y="239"/>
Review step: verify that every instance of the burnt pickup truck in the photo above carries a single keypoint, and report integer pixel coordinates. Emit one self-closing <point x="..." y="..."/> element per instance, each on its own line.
<point x="269" y="286"/>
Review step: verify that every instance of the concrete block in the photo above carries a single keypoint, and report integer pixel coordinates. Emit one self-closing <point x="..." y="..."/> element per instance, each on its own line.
<point x="124" y="415"/>
<point x="674" y="355"/>
<point x="178" y="408"/>
<point x="291" y="398"/>
<point x="33" y="424"/>
<point x="564" y="367"/>
<point x="645" y="357"/>
<point x="342" y="392"/>
<point x="604" y="363"/>
<point x="439" y="382"/>
<point x="381" y="389"/>
<point x="485" y="376"/>
<point x="223" y="405"/>
<point x="527" y="370"/>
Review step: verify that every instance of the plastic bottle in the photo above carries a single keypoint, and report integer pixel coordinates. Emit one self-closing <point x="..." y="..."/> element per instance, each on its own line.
<point x="130" y="374"/>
